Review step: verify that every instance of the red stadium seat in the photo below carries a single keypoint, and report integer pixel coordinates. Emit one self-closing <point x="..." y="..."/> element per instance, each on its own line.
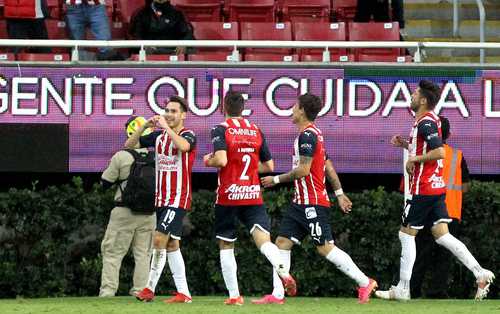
<point x="252" y="10"/>
<point x="210" y="56"/>
<point x="306" y="10"/>
<point x="125" y="9"/>
<point x="266" y="31"/>
<point x="333" y="58"/>
<point x="118" y="31"/>
<point x="58" y="57"/>
<point x="344" y="10"/>
<point x="54" y="7"/>
<point x="56" y="29"/>
<point x="6" y="56"/>
<point x="200" y="10"/>
<point x="168" y="58"/>
<point x="3" y="30"/>
<point x="375" y="32"/>
<point x="320" y="32"/>
<point x="215" y="31"/>
<point x="271" y="57"/>
<point x="383" y="58"/>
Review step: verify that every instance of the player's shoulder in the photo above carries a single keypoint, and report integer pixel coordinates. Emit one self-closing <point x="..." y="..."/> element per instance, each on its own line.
<point x="187" y="131"/>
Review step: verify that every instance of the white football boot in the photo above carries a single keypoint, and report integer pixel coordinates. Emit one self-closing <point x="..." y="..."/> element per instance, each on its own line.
<point x="394" y="293"/>
<point x="483" y="284"/>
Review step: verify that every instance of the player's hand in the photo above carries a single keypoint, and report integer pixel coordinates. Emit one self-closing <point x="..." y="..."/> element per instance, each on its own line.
<point x="206" y="158"/>
<point x="162" y="122"/>
<point x="398" y="141"/>
<point x="344" y="203"/>
<point x="267" y="182"/>
<point x="410" y="165"/>
<point x="152" y="122"/>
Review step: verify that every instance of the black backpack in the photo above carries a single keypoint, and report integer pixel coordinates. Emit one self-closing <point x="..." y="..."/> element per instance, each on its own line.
<point x="139" y="193"/>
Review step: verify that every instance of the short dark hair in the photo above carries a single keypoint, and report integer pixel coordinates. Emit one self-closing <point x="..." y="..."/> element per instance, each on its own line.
<point x="431" y="92"/>
<point x="311" y="104"/>
<point x="181" y="101"/>
<point x="445" y="128"/>
<point x="234" y="103"/>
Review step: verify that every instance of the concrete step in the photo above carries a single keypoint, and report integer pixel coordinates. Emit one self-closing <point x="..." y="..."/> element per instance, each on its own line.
<point x="444" y="11"/>
<point x="436" y="59"/>
<point x="444" y="28"/>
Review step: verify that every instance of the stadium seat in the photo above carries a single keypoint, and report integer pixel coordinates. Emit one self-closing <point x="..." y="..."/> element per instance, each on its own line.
<point x="7" y="56"/>
<point x="374" y="31"/>
<point x="344" y="10"/>
<point x="271" y="57"/>
<point x="215" y="31"/>
<point x="118" y="31"/>
<point x="200" y="10"/>
<point x="168" y="58"/>
<point x="305" y="10"/>
<point x="3" y="30"/>
<point x="54" y="7"/>
<point x="125" y="9"/>
<point x="58" y="57"/>
<point x="383" y="58"/>
<point x="57" y="30"/>
<point x="266" y="31"/>
<point x="210" y="56"/>
<point x="252" y="10"/>
<point x="333" y="58"/>
<point x="319" y="32"/>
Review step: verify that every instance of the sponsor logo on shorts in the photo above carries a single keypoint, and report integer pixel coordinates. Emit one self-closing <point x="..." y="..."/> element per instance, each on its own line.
<point x="311" y="213"/>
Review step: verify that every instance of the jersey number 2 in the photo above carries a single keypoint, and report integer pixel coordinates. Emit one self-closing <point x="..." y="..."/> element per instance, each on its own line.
<point x="246" y="159"/>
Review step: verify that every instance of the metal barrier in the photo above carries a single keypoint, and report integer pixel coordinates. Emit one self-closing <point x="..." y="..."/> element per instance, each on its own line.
<point x="237" y="44"/>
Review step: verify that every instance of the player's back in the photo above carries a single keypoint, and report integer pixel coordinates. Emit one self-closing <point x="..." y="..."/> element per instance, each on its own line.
<point x="239" y="179"/>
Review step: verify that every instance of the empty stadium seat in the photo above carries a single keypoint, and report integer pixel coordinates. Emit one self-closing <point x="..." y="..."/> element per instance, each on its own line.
<point x="125" y="9"/>
<point x="210" y="56"/>
<point x="266" y="31"/>
<point x="58" y="57"/>
<point x="271" y="57"/>
<point x="319" y="32"/>
<point x="7" y="56"/>
<point x="3" y="30"/>
<point x="333" y="58"/>
<point x="54" y="7"/>
<point x="200" y="10"/>
<point x="383" y="58"/>
<point x="252" y="10"/>
<point x="305" y="10"/>
<point x="118" y="31"/>
<point x="215" y="31"/>
<point x="56" y="29"/>
<point x="374" y="31"/>
<point x="168" y="58"/>
<point x="344" y="10"/>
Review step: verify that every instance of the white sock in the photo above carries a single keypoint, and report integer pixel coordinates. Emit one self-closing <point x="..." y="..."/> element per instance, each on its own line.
<point x="278" y="289"/>
<point x="345" y="264"/>
<point x="272" y="253"/>
<point x="158" y="261"/>
<point x="459" y="249"/>
<point x="408" y="255"/>
<point x="229" y="268"/>
<point x="178" y="269"/>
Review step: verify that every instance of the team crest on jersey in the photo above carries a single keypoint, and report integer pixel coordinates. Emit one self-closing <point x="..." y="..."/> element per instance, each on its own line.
<point x="311" y="213"/>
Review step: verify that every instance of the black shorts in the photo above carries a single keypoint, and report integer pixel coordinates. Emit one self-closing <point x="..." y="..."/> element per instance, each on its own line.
<point x="302" y="220"/>
<point x="169" y="221"/>
<point x="251" y="216"/>
<point x="423" y="210"/>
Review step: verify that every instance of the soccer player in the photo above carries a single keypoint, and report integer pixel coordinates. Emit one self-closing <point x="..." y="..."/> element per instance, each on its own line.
<point x="175" y="152"/>
<point x="428" y="191"/>
<point x="240" y="154"/>
<point x="309" y="212"/>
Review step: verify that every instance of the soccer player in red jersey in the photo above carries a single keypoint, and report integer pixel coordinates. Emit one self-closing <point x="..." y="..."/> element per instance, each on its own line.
<point x="240" y="154"/>
<point x="175" y="152"/>
<point x="309" y="212"/>
<point x="426" y="206"/>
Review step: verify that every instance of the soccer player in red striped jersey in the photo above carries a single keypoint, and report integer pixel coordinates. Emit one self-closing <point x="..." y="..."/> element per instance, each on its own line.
<point x="426" y="206"/>
<point x="309" y="212"/>
<point x="175" y="152"/>
<point x="240" y="154"/>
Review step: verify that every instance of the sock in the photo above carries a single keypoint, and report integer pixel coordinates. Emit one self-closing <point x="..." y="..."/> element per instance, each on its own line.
<point x="459" y="249"/>
<point x="229" y="268"/>
<point x="272" y="253"/>
<point x="158" y="261"/>
<point x="408" y="255"/>
<point x="345" y="264"/>
<point x="178" y="269"/>
<point x="278" y="289"/>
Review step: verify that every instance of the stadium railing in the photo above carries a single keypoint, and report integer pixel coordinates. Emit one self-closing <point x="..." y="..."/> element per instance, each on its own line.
<point x="236" y="45"/>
